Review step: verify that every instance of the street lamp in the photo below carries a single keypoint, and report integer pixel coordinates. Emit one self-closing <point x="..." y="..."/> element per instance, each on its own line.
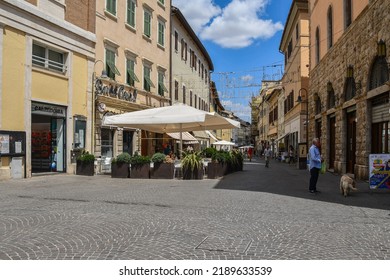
<point x="103" y="75"/>
<point x="299" y="100"/>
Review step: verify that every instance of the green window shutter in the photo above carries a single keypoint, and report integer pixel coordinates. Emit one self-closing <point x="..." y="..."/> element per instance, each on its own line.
<point x="131" y="13"/>
<point x="161" y="33"/>
<point x="111" y="6"/>
<point x="147" y="23"/>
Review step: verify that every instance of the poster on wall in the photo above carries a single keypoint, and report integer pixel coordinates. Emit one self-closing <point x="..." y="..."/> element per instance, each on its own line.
<point x="4" y="144"/>
<point x="380" y="171"/>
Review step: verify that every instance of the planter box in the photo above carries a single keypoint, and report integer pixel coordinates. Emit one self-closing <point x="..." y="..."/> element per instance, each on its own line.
<point x="120" y="170"/>
<point x="140" y="171"/>
<point x="196" y="174"/>
<point x="213" y="170"/>
<point x="85" y="168"/>
<point x="223" y="169"/>
<point x="163" y="171"/>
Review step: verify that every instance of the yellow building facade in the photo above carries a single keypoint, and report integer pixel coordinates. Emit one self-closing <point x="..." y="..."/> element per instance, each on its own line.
<point x="45" y="92"/>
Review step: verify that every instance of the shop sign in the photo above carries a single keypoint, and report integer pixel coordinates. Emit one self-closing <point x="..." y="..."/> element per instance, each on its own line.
<point x="47" y="109"/>
<point x="117" y="91"/>
<point x="380" y="171"/>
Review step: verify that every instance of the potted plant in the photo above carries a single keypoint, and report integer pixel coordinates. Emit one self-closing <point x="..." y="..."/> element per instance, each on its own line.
<point x="213" y="166"/>
<point x="120" y="166"/>
<point x="163" y="167"/>
<point x="85" y="164"/>
<point x="192" y="166"/>
<point x="139" y="166"/>
<point x="238" y="160"/>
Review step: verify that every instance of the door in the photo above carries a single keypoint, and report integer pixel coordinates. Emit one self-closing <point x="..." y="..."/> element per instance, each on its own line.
<point x="351" y="142"/>
<point x="332" y="142"/>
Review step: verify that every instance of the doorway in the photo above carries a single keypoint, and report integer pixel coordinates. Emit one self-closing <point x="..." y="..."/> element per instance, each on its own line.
<point x="351" y="142"/>
<point x="332" y="142"/>
<point x="47" y="144"/>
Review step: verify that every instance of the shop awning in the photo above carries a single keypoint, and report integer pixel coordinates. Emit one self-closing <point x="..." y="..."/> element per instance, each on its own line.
<point x="185" y="135"/>
<point x="201" y="134"/>
<point x="211" y="135"/>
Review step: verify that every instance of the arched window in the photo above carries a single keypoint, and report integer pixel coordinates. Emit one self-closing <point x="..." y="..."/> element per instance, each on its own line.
<point x="317" y="48"/>
<point x="331" y="96"/>
<point x="347" y="13"/>
<point x="379" y="73"/>
<point x="330" y="27"/>
<point x="318" y="105"/>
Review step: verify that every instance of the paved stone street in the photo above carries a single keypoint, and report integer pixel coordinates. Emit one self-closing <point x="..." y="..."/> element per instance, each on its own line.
<point x="259" y="213"/>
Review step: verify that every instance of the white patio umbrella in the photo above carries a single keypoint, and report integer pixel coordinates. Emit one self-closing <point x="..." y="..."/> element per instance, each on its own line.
<point x="224" y="142"/>
<point x="175" y="118"/>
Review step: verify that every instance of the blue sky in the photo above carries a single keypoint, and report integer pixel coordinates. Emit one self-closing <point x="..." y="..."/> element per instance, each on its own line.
<point x="242" y="38"/>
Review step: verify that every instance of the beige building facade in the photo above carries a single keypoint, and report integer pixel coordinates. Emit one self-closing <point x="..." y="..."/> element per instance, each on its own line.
<point x="46" y="50"/>
<point x="131" y="71"/>
<point x="295" y="82"/>
<point x="349" y="81"/>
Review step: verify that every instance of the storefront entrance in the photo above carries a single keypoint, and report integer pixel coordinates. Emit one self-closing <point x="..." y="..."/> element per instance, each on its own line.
<point x="47" y="138"/>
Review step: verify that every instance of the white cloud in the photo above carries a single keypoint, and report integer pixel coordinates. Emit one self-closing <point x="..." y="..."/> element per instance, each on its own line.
<point x="239" y="25"/>
<point x="198" y="13"/>
<point x="240" y="110"/>
<point x="246" y="78"/>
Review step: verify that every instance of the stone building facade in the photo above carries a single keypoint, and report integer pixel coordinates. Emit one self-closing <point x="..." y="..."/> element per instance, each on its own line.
<point x="349" y="81"/>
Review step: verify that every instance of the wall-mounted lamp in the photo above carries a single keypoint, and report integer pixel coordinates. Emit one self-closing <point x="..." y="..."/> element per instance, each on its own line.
<point x="381" y="48"/>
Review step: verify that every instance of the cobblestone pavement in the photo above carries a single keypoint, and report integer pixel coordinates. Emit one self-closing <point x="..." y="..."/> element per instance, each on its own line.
<point x="259" y="213"/>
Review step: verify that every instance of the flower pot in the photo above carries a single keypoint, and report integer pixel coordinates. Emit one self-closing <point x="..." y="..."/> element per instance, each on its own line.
<point x="140" y="171"/>
<point x="85" y="168"/>
<point x="213" y="170"/>
<point x="163" y="171"/>
<point x="120" y="170"/>
<point x="196" y="174"/>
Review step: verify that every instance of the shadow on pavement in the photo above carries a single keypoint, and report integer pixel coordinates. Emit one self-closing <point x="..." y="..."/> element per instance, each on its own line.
<point x="285" y="179"/>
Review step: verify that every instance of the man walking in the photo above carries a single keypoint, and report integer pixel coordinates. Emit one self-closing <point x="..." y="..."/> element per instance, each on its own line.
<point x="314" y="165"/>
<point x="267" y="155"/>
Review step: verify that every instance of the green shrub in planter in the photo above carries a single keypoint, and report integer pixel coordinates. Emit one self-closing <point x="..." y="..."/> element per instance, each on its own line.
<point x="158" y="158"/>
<point x="140" y="166"/>
<point x="209" y="152"/>
<point x="120" y="166"/>
<point x="85" y="164"/>
<point x="163" y="167"/>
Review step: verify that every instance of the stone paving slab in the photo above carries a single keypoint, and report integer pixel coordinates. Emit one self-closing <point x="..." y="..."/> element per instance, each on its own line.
<point x="255" y="214"/>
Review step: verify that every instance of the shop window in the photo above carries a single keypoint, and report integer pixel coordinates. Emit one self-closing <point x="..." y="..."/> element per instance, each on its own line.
<point x="48" y="58"/>
<point x="80" y="128"/>
<point x="107" y="142"/>
<point x="380" y="138"/>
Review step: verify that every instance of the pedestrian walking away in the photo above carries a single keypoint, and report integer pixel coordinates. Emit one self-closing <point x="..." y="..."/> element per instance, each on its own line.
<point x="267" y="155"/>
<point x="315" y="160"/>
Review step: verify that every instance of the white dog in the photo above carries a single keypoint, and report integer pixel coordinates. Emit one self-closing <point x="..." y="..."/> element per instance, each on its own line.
<point x="347" y="184"/>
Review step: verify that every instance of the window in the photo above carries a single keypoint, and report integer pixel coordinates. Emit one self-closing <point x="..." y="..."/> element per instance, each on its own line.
<point x="195" y="100"/>
<point x="110" y="64"/>
<point x="202" y="71"/>
<point x="131" y="7"/>
<point x="317" y="46"/>
<point x="162" y="1"/>
<point x="347" y="13"/>
<point x="111" y="6"/>
<point x="331" y="96"/>
<point x="289" y="49"/>
<point x="184" y="94"/>
<point x="318" y="105"/>
<point x="185" y="51"/>
<point x="147" y="81"/>
<point x="48" y="58"/>
<point x="350" y="86"/>
<point x="161" y="86"/>
<point x="161" y="33"/>
<point x="297" y="31"/>
<point x="176" y="90"/>
<point x="131" y="77"/>
<point x="330" y="27"/>
<point x="147" y="23"/>
<point x="190" y="97"/>
<point x="177" y="42"/>
<point x="379" y="73"/>
<point x="191" y="58"/>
